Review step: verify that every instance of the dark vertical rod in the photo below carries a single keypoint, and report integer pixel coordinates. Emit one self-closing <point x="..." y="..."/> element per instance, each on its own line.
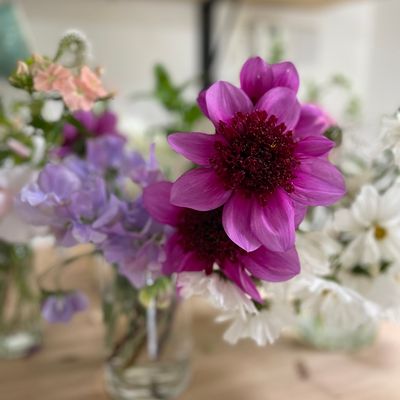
<point x="206" y="38"/>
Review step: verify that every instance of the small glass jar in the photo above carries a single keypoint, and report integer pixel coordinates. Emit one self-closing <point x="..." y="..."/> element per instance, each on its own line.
<point x="20" y="319"/>
<point x="315" y="331"/>
<point x="148" y="340"/>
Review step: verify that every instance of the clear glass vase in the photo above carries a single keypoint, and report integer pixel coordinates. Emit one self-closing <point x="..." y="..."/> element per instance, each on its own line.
<point x="321" y="335"/>
<point x="148" y="341"/>
<point x="20" y="320"/>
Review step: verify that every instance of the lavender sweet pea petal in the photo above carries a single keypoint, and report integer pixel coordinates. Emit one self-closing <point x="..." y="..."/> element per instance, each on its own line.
<point x="58" y="181"/>
<point x="237" y="274"/>
<point x="144" y="263"/>
<point x="313" y="146"/>
<point x="272" y="266"/>
<point x="78" y="301"/>
<point x="223" y="100"/>
<point x="273" y="223"/>
<point x="61" y="308"/>
<point x="313" y="121"/>
<point x="32" y="195"/>
<point x="236" y="220"/>
<point x="283" y="104"/>
<point x="156" y="200"/>
<point x="86" y="234"/>
<point x="199" y="189"/>
<point x="56" y="309"/>
<point x="318" y="182"/>
<point x="285" y="75"/>
<point x="256" y="78"/>
<point x="195" y="146"/>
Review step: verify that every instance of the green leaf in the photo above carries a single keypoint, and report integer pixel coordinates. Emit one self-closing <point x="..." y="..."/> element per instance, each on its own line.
<point x="165" y="91"/>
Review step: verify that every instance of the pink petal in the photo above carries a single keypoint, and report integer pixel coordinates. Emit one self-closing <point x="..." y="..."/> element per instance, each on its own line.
<point x="223" y="101"/>
<point x="318" y="183"/>
<point x="195" y="146"/>
<point x="177" y="260"/>
<point x="285" y="74"/>
<point x="273" y="224"/>
<point x="314" y="146"/>
<point x="156" y="202"/>
<point x="199" y="189"/>
<point x="300" y="212"/>
<point x="201" y="101"/>
<point x="191" y="263"/>
<point x="272" y="266"/>
<point x="236" y="221"/>
<point x="256" y="78"/>
<point x="282" y="103"/>
<point x="237" y="274"/>
<point x="174" y="255"/>
<point x="313" y="121"/>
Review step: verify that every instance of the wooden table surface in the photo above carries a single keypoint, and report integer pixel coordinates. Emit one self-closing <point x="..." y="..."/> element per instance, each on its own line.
<point x="69" y="366"/>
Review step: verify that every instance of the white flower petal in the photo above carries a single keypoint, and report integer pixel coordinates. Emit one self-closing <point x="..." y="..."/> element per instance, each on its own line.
<point x="365" y="207"/>
<point x="344" y="221"/>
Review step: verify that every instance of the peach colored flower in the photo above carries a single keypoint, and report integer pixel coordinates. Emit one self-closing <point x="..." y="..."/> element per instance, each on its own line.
<point x="91" y="83"/>
<point x="77" y="98"/>
<point x="53" y="78"/>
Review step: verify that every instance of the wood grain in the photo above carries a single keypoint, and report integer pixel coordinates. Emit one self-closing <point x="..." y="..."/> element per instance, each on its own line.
<point x="69" y="366"/>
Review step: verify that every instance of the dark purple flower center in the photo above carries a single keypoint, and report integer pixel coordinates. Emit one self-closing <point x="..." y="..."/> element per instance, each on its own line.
<point x="203" y="233"/>
<point x="257" y="155"/>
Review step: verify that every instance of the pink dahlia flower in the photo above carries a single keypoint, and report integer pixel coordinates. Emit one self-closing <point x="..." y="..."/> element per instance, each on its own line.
<point x="265" y="164"/>
<point x="200" y="242"/>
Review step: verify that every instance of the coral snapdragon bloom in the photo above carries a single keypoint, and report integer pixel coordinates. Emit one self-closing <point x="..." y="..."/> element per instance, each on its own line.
<point x="265" y="164"/>
<point x="199" y="243"/>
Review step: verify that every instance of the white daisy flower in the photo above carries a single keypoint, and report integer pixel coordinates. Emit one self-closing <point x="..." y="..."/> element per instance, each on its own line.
<point x="335" y="305"/>
<point x="315" y="251"/>
<point x="267" y="325"/>
<point x="222" y="293"/>
<point x="372" y="225"/>
<point x="382" y="289"/>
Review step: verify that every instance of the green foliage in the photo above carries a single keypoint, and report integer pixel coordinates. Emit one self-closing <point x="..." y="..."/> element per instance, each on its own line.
<point x="171" y="96"/>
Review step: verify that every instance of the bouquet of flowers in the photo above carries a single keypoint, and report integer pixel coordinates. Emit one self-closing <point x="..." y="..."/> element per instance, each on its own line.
<point x="354" y="248"/>
<point x="40" y="127"/>
<point x="230" y="221"/>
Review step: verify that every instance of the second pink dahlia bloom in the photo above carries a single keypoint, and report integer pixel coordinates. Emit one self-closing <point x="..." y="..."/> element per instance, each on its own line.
<point x="199" y="243"/>
<point x="265" y="164"/>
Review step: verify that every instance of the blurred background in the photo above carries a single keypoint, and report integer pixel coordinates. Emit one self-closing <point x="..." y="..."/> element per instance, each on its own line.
<point x="353" y="44"/>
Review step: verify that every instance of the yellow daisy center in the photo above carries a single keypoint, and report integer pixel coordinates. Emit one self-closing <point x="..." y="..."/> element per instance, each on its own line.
<point x="380" y="232"/>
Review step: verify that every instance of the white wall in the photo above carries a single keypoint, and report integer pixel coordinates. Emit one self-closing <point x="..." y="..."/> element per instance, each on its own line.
<point x="128" y="36"/>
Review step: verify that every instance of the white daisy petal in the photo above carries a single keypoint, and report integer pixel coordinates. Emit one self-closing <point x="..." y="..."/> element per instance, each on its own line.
<point x="365" y="208"/>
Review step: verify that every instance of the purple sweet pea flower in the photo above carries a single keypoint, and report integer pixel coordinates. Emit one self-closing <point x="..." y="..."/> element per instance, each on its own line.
<point x="104" y="124"/>
<point x="265" y="164"/>
<point x="200" y="241"/>
<point x="62" y="307"/>
<point x="73" y="203"/>
<point x="134" y="244"/>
